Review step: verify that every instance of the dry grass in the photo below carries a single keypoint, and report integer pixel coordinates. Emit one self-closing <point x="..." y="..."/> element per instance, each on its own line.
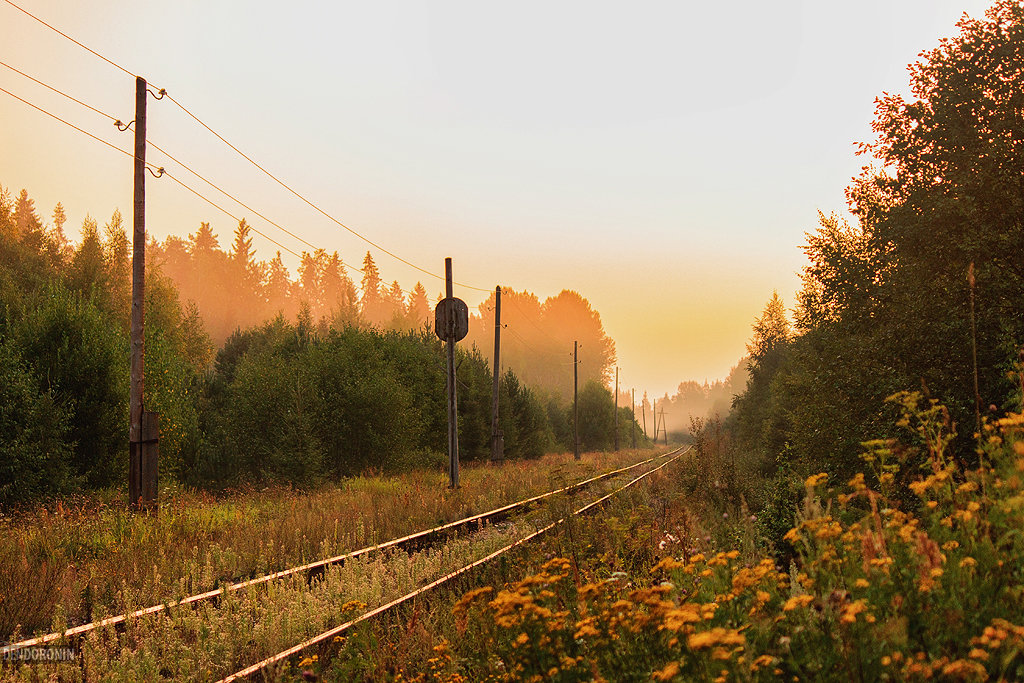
<point x="65" y="564"/>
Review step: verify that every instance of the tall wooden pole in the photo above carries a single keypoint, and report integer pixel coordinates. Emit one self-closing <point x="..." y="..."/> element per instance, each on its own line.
<point x="654" y="414"/>
<point x="575" y="400"/>
<point x="632" y="425"/>
<point x="497" y="450"/>
<point x="616" y="408"/>
<point x="135" y="407"/>
<point x="453" y="414"/>
<point x="643" y="413"/>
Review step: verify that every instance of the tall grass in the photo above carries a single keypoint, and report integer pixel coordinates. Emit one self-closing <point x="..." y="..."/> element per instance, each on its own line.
<point x="65" y="564"/>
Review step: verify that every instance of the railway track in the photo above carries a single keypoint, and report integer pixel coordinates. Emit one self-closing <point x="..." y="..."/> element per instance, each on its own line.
<point x="338" y="630"/>
<point x="314" y="570"/>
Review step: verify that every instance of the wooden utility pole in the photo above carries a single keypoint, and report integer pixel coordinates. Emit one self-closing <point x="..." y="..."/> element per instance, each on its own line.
<point x="497" y="438"/>
<point x="616" y="408"/>
<point x="143" y="430"/>
<point x="664" y="427"/>
<point x="643" y="413"/>
<point x="654" y="415"/>
<point x="575" y="400"/>
<point x="453" y="412"/>
<point x="632" y="424"/>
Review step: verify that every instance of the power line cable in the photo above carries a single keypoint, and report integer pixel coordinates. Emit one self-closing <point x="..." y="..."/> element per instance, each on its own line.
<point x="188" y="168"/>
<point x="248" y="158"/>
<point x="151" y="166"/>
<point x="530" y="319"/>
<point x="59" y="92"/>
<point x="313" y="205"/>
<point x="80" y="130"/>
<point x="84" y="47"/>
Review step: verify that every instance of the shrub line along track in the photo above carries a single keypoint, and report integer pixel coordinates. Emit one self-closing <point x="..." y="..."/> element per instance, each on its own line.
<point x="418" y="539"/>
<point x="259" y="666"/>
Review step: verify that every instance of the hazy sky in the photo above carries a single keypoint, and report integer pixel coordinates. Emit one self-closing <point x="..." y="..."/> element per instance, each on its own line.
<point x="664" y="159"/>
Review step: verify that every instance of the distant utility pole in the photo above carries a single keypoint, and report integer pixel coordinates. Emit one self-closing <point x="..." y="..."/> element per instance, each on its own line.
<point x="575" y="400"/>
<point x="632" y="424"/>
<point x="616" y="408"/>
<point x="654" y="415"/>
<point x="664" y="427"/>
<point x="643" y="413"/>
<point x="497" y="442"/>
<point x="143" y="429"/>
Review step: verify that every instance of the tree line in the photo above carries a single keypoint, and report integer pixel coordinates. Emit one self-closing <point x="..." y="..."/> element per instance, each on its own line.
<point x="923" y="288"/>
<point x="267" y="379"/>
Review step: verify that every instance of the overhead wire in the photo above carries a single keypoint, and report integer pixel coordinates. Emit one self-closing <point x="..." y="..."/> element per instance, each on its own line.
<point x="311" y="204"/>
<point x="531" y="320"/>
<point x="250" y="159"/>
<point x="181" y="163"/>
<point x="59" y="92"/>
<point x="80" y="130"/>
<point x="84" y="47"/>
<point x="150" y="165"/>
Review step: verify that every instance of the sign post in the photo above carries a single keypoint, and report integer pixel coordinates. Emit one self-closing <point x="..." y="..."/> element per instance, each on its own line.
<point x="451" y="324"/>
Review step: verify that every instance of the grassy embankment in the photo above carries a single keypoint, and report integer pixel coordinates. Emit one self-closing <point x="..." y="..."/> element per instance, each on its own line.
<point x="78" y="559"/>
<point x="917" y="576"/>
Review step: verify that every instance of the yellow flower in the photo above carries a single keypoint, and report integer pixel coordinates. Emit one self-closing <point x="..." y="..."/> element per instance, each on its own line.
<point x="522" y="639"/>
<point x="815" y="479"/>
<point x="667" y="673"/>
<point x="716" y="636"/>
<point x="850" y="612"/>
<point x="950" y="545"/>
<point x="797" y="601"/>
<point x="861" y="583"/>
<point x="968" y="562"/>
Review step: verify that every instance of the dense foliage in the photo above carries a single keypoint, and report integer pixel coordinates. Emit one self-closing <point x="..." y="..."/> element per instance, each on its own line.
<point x="334" y="385"/>
<point x="925" y="290"/>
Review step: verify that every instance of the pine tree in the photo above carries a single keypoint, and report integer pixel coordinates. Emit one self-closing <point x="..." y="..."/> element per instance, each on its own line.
<point x="87" y="271"/>
<point x="371" y="298"/>
<point x="25" y="219"/>
<point x="62" y="246"/>
<point x="117" y="263"/>
<point x="419" y="307"/>
<point x="394" y="306"/>
<point x="278" y="288"/>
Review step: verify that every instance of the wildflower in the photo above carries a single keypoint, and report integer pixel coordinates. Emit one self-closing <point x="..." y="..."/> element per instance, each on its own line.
<point x="667" y="673"/>
<point x="850" y="612"/>
<point x="968" y="562"/>
<point x="667" y="564"/>
<point x="978" y="653"/>
<point x="964" y="669"/>
<point x="950" y="545"/>
<point x="861" y="583"/>
<point x="815" y="479"/>
<point x="687" y="613"/>
<point x="797" y="601"/>
<point x="714" y="637"/>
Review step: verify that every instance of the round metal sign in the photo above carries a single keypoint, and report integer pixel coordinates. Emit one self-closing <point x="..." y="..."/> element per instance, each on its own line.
<point x="451" y="319"/>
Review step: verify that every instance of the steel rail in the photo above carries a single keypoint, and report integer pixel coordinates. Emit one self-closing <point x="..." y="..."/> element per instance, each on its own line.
<point x="319" y="566"/>
<point x="284" y="654"/>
